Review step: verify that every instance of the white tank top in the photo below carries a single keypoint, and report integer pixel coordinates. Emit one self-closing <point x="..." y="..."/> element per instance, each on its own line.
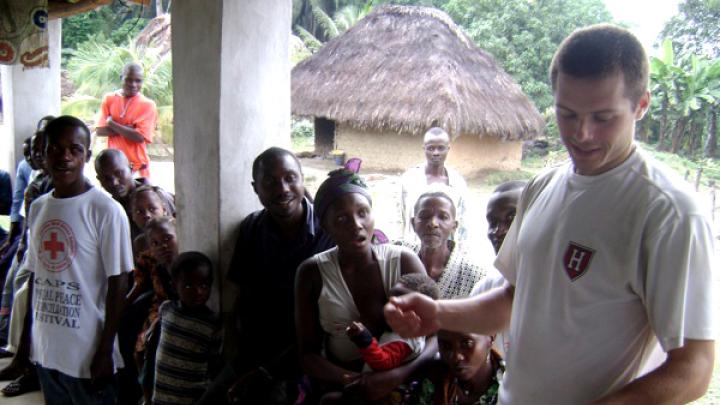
<point x="336" y="306"/>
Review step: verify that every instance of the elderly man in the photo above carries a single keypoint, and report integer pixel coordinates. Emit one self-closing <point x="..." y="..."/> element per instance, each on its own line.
<point x="609" y="255"/>
<point x="128" y="119"/>
<point x="433" y="175"/>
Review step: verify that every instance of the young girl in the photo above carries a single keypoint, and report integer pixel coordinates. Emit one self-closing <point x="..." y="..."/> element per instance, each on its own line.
<point x="160" y="233"/>
<point x="146" y="203"/>
<point x="190" y="336"/>
<point x="468" y="372"/>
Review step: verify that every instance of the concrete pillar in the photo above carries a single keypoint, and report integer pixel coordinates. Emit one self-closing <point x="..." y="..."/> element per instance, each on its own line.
<point x="29" y="95"/>
<point x="231" y="77"/>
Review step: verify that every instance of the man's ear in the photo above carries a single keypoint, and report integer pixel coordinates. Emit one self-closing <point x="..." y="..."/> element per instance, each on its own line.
<point x="89" y="155"/>
<point x="252" y="183"/>
<point x="642" y="106"/>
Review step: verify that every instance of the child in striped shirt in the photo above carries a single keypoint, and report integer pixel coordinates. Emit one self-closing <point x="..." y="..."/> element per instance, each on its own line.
<point x="190" y="334"/>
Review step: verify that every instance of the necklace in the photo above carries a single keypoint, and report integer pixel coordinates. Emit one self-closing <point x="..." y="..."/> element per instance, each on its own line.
<point x="126" y="104"/>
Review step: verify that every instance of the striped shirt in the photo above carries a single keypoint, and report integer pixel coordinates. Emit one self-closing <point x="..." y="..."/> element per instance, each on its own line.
<point x="189" y="341"/>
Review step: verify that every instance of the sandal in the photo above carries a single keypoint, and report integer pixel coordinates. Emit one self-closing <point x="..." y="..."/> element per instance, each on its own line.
<point x="21" y="385"/>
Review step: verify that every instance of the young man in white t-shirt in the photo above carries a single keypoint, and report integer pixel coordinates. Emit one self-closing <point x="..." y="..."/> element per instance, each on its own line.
<point x="79" y="251"/>
<point x="608" y="255"/>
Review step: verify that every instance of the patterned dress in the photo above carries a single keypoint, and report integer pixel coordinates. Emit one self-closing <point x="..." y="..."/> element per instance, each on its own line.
<point x="460" y="275"/>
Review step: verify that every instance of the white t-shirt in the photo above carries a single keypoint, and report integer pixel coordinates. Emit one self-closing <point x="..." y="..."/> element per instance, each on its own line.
<point x="602" y="266"/>
<point x="75" y="244"/>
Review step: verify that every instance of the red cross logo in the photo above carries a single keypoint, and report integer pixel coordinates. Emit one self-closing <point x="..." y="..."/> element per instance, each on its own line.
<point x="577" y="260"/>
<point x="53" y="245"/>
<point x="58" y="245"/>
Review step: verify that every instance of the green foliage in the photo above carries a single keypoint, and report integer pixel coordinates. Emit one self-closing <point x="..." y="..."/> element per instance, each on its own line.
<point x="695" y="29"/>
<point x="343" y="18"/>
<point x="522" y="35"/>
<point x="302" y="135"/>
<point x="688" y="167"/>
<point x="496" y="177"/>
<point x="117" y="22"/>
<point x="687" y="89"/>
<point x="95" y="68"/>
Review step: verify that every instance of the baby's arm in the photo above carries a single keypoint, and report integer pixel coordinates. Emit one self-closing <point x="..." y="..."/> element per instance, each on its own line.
<point x="379" y="358"/>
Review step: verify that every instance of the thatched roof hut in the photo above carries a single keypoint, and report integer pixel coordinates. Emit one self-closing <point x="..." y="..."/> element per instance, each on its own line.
<point x="404" y="69"/>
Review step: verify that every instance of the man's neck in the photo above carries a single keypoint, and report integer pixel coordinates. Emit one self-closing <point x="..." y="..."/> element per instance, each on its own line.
<point x="434" y="170"/>
<point x="435" y="259"/>
<point x="72" y="190"/>
<point x="290" y="227"/>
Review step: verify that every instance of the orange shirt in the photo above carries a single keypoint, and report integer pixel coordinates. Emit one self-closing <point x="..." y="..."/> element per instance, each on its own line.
<point x="138" y="112"/>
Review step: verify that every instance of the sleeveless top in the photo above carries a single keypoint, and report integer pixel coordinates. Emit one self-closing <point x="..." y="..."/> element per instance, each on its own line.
<point x="336" y="306"/>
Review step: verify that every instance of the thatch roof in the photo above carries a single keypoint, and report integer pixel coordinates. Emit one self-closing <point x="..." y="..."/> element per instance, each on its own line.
<point x="405" y="69"/>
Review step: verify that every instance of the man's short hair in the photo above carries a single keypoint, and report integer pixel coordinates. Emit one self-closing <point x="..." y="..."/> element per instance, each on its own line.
<point x="54" y="127"/>
<point x="434" y="194"/>
<point x="271" y="153"/>
<point x="602" y="50"/>
<point x="436" y="131"/>
<point x="107" y="155"/>
<point x="132" y="66"/>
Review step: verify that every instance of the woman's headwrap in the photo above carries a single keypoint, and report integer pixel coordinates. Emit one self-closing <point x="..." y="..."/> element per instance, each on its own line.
<point x="338" y="183"/>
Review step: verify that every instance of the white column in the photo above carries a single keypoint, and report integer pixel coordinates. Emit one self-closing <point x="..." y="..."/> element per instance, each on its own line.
<point x="231" y="77"/>
<point x="29" y="95"/>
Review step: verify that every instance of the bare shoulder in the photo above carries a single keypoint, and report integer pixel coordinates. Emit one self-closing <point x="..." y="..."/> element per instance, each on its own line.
<point x="409" y="261"/>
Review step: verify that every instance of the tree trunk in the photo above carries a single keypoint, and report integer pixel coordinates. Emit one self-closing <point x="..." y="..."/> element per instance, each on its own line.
<point x="643" y="129"/>
<point x="663" y="122"/>
<point x="695" y="136"/>
<point x="711" y="143"/>
<point x="677" y="135"/>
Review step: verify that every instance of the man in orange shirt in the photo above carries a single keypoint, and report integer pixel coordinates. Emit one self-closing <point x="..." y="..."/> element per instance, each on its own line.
<point x="128" y="119"/>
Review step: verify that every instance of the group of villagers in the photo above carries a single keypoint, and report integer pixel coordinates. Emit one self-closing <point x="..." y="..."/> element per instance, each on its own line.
<point x="318" y="285"/>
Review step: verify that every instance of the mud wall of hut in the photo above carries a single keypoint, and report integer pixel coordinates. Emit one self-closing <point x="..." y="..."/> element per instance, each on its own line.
<point x="397" y="152"/>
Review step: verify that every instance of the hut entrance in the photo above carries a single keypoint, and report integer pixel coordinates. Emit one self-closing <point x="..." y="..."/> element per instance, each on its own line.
<point x="324" y="136"/>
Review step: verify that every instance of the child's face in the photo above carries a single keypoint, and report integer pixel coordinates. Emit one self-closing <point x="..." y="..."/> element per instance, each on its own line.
<point x="146" y="206"/>
<point x="501" y="211"/>
<point x="37" y="153"/>
<point x="163" y="245"/>
<point x="193" y="287"/>
<point x="464" y="353"/>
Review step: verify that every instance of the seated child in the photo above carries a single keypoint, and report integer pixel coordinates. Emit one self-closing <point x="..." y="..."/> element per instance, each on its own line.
<point x="190" y="334"/>
<point x="392" y="350"/>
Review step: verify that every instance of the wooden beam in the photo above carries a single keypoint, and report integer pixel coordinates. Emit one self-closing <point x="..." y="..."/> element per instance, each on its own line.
<point x="62" y="9"/>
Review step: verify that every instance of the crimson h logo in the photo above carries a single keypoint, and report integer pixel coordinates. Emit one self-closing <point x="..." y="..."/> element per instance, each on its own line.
<point x="577" y="260"/>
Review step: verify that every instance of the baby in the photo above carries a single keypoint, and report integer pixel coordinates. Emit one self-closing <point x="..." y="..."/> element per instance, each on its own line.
<point x="392" y="350"/>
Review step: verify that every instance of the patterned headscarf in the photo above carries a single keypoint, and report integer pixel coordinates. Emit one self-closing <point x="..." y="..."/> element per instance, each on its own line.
<point x="338" y="183"/>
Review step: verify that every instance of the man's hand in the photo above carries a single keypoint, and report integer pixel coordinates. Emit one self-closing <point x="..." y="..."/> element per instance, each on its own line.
<point x="412" y="315"/>
<point x="102" y="367"/>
